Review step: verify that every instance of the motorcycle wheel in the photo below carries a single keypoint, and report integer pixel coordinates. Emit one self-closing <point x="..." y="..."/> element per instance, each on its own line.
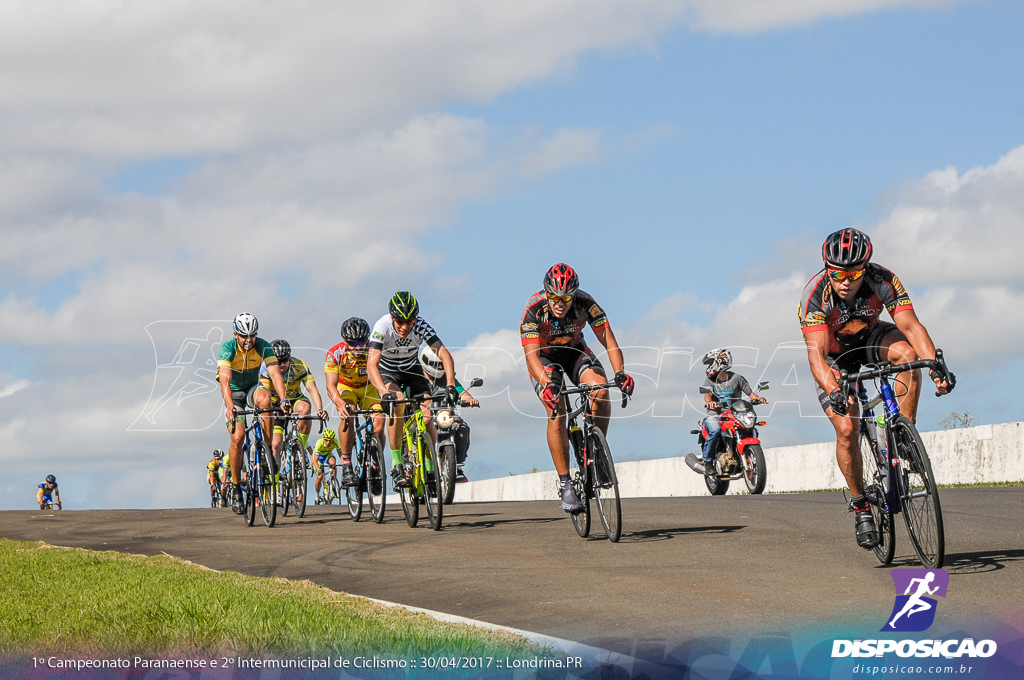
<point x="755" y="473"/>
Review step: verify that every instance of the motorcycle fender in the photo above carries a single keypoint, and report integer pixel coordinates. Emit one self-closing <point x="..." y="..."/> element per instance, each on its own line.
<point x="744" y="443"/>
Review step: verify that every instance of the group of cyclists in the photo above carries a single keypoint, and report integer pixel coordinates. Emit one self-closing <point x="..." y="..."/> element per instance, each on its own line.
<point x="371" y="369"/>
<point x="376" y="368"/>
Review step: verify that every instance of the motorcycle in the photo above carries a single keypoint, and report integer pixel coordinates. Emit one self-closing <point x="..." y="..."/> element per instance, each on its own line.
<point x="738" y="452"/>
<point x="447" y="421"/>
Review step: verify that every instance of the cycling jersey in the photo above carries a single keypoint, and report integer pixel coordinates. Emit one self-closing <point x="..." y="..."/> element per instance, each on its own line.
<point x="322" y="448"/>
<point x="398" y="353"/>
<point x="245" y="365"/>
<point x="294" y="378"/>
<point x="349" y="365"/>
<point x="44" y="495"/>
<point x="540" y="326"/>
<point x="851" y="324"/>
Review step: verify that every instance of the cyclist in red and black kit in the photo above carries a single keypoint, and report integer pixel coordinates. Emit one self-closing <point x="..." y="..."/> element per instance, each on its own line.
<point x="552" y="334"/>
<point x="839" y="316"/>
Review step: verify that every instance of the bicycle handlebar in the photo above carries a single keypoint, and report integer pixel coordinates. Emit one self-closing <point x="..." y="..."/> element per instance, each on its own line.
<point x="587" y="388"/>
<point x="886" y="369"/>
<point x="253" y="412"/>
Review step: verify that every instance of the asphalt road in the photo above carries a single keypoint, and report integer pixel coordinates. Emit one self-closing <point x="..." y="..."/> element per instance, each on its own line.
<point x="685" y="567"/>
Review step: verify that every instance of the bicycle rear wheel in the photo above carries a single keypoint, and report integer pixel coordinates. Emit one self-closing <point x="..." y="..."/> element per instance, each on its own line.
<point x="577" y="476"/>
<point x="433" y="490"/>
<point x="285" y="485"/>
<point x="919" y="494"/>
<point x="605" y="485"/>
<point x="376" y="480"/>
<point x="874" y="476"/>
<point x="354" y="494"/>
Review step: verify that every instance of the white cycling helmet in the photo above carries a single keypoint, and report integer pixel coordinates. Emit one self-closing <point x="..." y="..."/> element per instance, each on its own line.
<point x="245" y="324"/>
<point x="717" y="360"/>
<point x="431" y="363"/>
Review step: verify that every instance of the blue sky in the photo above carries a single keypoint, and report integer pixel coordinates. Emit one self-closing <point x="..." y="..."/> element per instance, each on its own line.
<point x="164" y="168"/>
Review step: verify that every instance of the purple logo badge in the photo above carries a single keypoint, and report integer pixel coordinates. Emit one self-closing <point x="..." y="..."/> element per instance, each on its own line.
<point x="916" y="590"/>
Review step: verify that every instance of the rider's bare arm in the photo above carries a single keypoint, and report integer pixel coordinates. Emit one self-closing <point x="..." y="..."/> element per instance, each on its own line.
<point x="533" y="363"/>
<point x="224" y="378"/>
<point x="274" y="371"/>
<point x="817" y="356"/>
<point x="607" y="338"/>
<point x="918" y="337"/>
<point x="446" y="359"/>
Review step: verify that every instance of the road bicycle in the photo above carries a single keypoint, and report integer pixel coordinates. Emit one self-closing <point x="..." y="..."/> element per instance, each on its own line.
<point x="216" y="498"/>
<point x="592" y="469"/>
<point x="424" y="482"/>
<point x="330" y="487"/>
<point x="897" y="473"/>
<point x="369" y="469"/>
<point x="446" y="421"/>
<point x="259" y="469"/>
<point x="294" y="480"/>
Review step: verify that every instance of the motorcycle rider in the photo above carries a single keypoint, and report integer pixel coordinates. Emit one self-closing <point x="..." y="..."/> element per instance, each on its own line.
<point x="721" y="390"/>
<point x="434" y="370"/>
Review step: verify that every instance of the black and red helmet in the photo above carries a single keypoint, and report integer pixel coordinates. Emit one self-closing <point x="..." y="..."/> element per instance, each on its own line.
<point x="846" y="249"/>
<point x="561" y="279"/>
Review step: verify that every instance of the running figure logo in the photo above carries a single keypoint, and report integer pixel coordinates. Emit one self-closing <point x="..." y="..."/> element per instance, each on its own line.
<point x="914" y="610"/>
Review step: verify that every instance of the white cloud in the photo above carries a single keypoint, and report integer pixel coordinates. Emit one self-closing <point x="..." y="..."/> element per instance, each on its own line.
<point x="751" y="16"/>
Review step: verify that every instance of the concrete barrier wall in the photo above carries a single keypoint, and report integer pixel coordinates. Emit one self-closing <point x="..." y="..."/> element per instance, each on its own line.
<point x="987" y="453"/>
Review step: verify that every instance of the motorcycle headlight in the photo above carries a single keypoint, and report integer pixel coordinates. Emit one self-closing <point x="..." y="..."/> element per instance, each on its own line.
<point x="748" y="420"/>
<point x="445" y="418"/>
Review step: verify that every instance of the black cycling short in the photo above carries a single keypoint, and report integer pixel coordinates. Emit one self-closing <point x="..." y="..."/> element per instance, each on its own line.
<point x="851" y="359"/>
<point x="413" y="383"/>
<point x="566" y="361"/>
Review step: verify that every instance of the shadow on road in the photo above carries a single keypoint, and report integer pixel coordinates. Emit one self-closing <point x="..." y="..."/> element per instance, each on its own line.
<point x="666" y="534"/>
<point x="981" y="562"/>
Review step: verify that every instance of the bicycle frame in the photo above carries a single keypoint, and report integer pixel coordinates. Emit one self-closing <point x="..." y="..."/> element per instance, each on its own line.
<point x="893" y="483"/>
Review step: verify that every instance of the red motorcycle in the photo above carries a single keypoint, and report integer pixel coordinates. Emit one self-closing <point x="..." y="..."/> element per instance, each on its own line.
<point x="738" y="452"/>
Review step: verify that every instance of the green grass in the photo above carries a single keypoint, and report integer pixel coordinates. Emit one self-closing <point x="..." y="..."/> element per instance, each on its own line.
<point x="69" y="600"/>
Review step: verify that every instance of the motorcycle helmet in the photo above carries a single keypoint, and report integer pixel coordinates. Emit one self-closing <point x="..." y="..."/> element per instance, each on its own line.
<point x="431" y="363"/>
<point x="717" y="360"/>
<point x="560" y="280"/>
<point x="846" y="249"/>
<point x="403" y="306"/>
<point x="355" y="330"/>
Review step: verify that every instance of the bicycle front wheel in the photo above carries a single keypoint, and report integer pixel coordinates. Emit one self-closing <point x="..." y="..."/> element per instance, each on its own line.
<point x="251" y="483"/>
<point x="873" y="472"/>
<point x="410" y="501"/>
<point x="433" y="490"/>
<point x="577" y="476"/>
<point x="376" y="480"/>
<point x="285" y="485"/>
<point x="267" y="487"/>
<point x="354" y="494"/>
<point x="605" y="485"/>
<point x="920" y="496"/>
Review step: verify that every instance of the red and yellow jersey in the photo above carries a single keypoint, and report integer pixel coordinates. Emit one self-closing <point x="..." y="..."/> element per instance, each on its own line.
<point x="350" y="366"/>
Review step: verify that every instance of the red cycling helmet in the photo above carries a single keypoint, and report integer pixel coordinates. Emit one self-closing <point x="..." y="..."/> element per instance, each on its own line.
<point x="846" y="249"/>
<point x="561" y="279"/>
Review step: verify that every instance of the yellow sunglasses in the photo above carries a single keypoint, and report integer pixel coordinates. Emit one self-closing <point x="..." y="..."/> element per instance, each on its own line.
<point x="840" y="275"/>
<point x="560" y="298"/>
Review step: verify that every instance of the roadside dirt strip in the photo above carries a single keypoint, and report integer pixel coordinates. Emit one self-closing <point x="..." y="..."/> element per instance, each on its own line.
<point x="686" y="568"/>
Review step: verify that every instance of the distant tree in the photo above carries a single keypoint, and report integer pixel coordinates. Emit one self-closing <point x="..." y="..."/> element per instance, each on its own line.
<point x="957" y="420"/>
